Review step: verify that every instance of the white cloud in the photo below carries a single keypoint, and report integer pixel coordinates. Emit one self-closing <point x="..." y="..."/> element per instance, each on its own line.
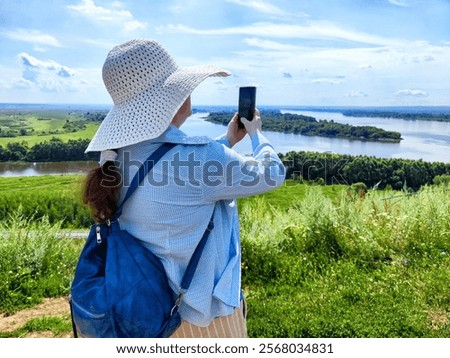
<point x="31" y="61"/>
<point x="411" y="93"/>
<point x="46" y="75"/>
<point x="46" y="81"/>
<point x="35" y="37"/>
<point x="419" y="58"/>
<point x="116" y="14"/>
<point x="356" y="94"/>
<point x="330" y="81"/>
<point x="65" y="72"/>
<point x="89" y="9"/>
<point x="32" y="64"/>
<point x="402" y="3"/>
<point x="98" y="42"/>
<point x="364" y="73"/>
<point x="118" y="4"/>
<point x="265" y="8"/>
<point x="131" y="26"/>
<point x="311" y="31"/>
<point x="23" y="83"/>
<point x="269" y="45"/>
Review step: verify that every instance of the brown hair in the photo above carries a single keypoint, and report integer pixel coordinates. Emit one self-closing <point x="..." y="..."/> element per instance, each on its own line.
<point x="101" y="191"/>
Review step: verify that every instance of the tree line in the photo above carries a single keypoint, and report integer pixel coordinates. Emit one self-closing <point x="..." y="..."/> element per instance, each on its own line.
<point x="328" y="168"/>
<point x="306" y="125"/>
<point x="438" y="117"/>
<point x="54" y="150"/>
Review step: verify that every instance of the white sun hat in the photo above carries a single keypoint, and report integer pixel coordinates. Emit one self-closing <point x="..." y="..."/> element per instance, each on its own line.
<point x="147" y="88"/>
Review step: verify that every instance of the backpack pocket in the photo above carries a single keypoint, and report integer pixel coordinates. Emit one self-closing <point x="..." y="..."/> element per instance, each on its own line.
<point x="92" y="324"/>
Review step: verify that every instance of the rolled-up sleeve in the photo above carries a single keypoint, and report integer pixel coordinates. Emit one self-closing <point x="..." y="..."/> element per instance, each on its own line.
<point x="230" y="175"/>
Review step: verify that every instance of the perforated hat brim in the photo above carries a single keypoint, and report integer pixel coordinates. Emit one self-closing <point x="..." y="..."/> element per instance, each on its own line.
<point x="148" y="114"/>
<point x="147" y="90"/>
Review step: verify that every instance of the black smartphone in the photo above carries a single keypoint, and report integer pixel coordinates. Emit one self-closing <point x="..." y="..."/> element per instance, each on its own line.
<point x="247" y="102"/>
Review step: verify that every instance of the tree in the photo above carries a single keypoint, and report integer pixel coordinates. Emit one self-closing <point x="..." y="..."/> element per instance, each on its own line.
<point x="443" y="179"/>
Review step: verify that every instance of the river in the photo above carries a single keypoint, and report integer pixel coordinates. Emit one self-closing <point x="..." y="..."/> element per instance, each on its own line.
<point x="426" y="140"/>
<point x="30" y="169"/>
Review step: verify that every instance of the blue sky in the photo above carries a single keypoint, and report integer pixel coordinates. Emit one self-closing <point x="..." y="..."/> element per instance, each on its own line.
<point x="298" y="52"/>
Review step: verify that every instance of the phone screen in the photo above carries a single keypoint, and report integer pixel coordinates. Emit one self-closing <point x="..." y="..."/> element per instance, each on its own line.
<point x="247" y="100"/>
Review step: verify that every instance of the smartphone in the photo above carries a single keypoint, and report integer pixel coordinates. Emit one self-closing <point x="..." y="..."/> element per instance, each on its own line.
<point x="247" y="101"/>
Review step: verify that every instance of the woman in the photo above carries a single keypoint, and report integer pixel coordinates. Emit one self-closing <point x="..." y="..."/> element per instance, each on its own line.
<point x="197" y="178"/>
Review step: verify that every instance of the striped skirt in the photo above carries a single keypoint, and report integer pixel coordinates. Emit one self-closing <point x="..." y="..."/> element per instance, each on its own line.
<point x="231" y="326"/>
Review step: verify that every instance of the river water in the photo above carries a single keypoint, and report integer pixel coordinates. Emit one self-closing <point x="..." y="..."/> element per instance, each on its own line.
<point x="30" y="169"/>
<point x="426" y="140"/>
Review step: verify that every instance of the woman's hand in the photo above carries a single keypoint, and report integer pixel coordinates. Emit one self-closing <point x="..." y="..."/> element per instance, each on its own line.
<point x="234" y="133"/>
<point x="254" y="125"/>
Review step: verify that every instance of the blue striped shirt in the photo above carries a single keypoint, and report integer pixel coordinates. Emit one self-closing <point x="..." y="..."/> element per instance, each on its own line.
<point x="171" y="209"/>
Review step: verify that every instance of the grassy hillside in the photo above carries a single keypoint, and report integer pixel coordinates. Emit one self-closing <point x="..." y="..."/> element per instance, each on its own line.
<point x="59" y="197"/>
<point x="317" y="261"/>
<point x="355" y="267"/>
<point x="56" y="197"/>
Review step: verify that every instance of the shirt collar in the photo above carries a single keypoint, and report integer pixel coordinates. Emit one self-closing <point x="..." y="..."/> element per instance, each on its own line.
<point x="175" y="135"/>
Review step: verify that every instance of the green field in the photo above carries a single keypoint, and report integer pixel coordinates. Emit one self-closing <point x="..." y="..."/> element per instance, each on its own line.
<point x="42" y="125"/>
<point x="318" y="261"/>
<point x="59" y="198"/>
<point x="56" y="184"/>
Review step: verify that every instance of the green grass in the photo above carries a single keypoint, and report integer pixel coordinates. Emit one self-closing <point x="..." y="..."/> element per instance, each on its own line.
<point x="291" y="192"/>
<point x="317" y="261"/>
<point x="31" y="140"/>
<point x="34" y="262"/>
<point x="56" y="197"/>
<point x="54" y="183"/>
<point x="59" y="198"/>
<point x="43" y="125"/>
<point x="351" y="268"/>
<point x="56" y="325"/>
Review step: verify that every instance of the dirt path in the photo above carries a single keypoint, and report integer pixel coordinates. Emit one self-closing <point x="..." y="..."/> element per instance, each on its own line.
<point x="50" y="307"/>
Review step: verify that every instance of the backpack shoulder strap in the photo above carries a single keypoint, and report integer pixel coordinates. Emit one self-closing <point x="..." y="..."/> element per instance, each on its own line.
<point x="192" y="265"/>
<point x="142" y="172"/>
<point x="140" y="175"/>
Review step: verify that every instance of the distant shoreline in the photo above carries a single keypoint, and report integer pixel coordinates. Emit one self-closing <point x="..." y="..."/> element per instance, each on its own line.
<point x="199" y="108"/>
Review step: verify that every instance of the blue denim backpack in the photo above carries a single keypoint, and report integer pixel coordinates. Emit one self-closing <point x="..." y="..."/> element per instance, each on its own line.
<point x="120" y="288"/>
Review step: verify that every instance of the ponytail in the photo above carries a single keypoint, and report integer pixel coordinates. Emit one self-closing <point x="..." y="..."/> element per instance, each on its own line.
<point x="101" y="191"/>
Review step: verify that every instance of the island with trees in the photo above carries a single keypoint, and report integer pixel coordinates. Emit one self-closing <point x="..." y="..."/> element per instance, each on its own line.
<point x="276" y="121"/>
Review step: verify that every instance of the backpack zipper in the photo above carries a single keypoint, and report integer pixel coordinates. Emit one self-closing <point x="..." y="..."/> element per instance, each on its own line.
<point x="99" y="237"/>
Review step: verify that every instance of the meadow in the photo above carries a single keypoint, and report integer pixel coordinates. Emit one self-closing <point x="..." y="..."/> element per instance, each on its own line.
<point x="58" y="198"/>
<point x="318" y="261"/>
<point x="54" y="197"/>
<point x="37" y="126"/>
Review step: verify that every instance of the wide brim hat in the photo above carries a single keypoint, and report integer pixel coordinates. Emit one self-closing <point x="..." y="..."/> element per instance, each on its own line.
<point x="147" y="89"/>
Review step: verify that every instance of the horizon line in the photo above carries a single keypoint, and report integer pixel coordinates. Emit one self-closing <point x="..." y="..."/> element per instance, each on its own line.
<point x="232" y="105"/>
